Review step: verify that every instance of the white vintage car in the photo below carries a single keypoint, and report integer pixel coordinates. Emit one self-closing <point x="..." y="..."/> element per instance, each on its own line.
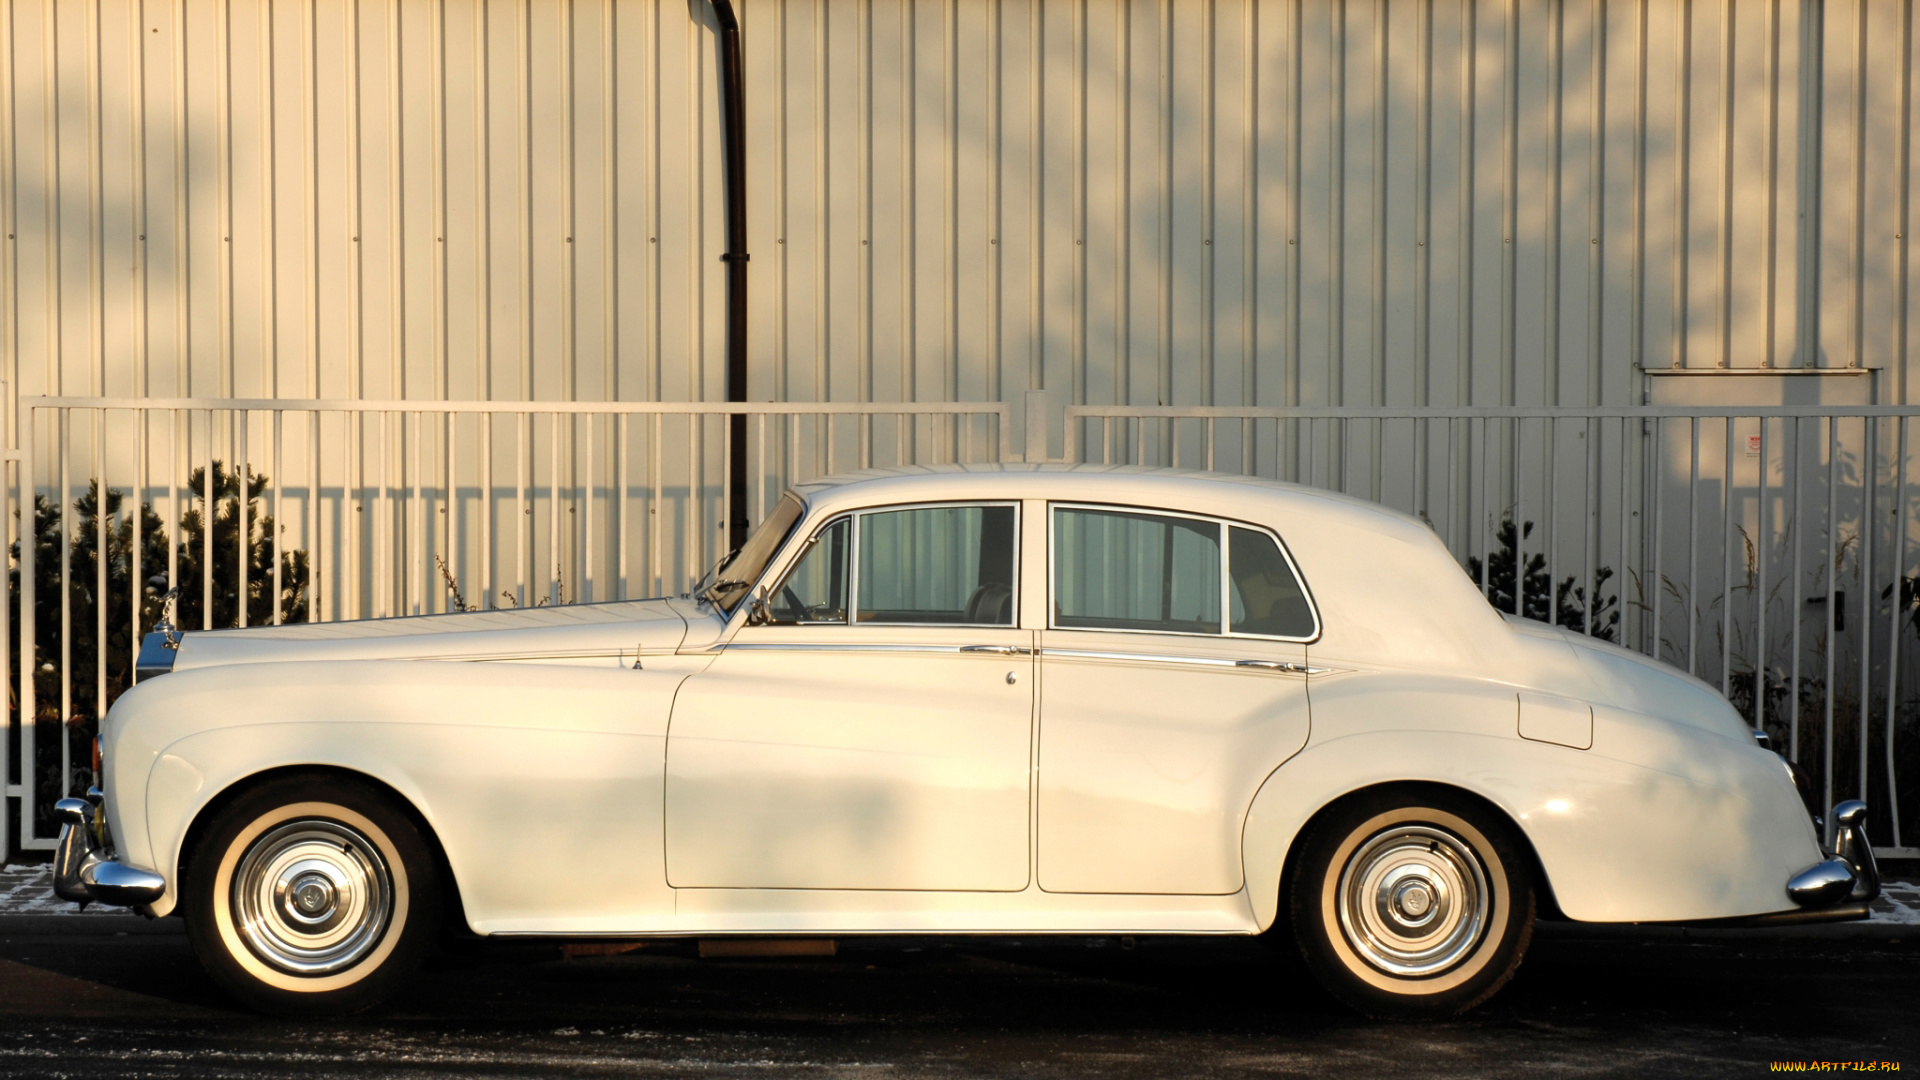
<point x="1009" y="700"/>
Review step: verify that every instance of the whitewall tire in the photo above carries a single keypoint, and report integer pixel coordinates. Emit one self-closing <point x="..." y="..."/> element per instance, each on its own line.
<point x="311" y="896"/>
<point x="1412" y="902"/>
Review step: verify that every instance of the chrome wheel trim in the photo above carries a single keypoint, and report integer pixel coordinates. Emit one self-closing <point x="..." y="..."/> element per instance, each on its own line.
<point x="1413" y="901"/>
<point x="312" y="897"/>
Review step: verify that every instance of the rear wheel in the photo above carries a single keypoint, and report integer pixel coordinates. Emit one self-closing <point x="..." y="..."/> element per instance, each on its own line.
<point x="311" y="897"/>
<point x="1412" y="903"/>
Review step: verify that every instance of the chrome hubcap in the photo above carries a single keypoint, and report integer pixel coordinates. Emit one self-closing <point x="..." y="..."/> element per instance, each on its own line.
<point x="1413" y="901"/>
<point x="312" y="897"/>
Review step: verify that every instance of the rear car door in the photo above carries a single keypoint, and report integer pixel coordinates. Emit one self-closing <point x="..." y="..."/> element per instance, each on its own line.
<point x="1173" y="680"/>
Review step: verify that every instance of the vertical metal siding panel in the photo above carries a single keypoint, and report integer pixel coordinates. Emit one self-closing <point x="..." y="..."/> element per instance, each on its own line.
<point x="1099" y="198"/>
<point x="1880" y="179"/>
<point x="1187" y="373"/>
<point x="1901" y="258"/>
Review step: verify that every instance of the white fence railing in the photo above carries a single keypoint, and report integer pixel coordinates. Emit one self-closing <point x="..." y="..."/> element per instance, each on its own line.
<point x="377" y="508"/>
<point x="1772" y="552"/>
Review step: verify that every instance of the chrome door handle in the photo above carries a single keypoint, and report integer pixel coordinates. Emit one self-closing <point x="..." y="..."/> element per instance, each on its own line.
<point x="998" y="650"/>
<point x="1279" y="665"/>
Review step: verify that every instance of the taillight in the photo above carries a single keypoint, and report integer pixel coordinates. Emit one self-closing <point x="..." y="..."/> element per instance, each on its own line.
<point x="96" y="755"/>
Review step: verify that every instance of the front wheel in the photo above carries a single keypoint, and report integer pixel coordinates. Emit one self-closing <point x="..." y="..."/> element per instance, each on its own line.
<point x="1412" y="903"/>
<point x="311" y="897"/>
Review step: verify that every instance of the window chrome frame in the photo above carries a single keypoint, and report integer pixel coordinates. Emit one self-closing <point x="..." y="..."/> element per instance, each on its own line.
<point x="853" y="562"/>
<point x="1226" y="574"/>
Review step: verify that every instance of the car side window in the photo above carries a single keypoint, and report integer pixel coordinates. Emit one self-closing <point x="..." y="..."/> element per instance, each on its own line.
<point x="1264" y="596"/>
<point x="1119" y="570"/>
<point x="937" y="564"/>
<point x="815" y="591"/>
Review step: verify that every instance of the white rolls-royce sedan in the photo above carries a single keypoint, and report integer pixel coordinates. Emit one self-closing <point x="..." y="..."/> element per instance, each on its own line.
<point x="1007" y="700"/>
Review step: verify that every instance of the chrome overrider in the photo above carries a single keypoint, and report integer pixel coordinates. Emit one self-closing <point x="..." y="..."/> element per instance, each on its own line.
<point x="1849" y="875"/>
<point x="84" y="869"/>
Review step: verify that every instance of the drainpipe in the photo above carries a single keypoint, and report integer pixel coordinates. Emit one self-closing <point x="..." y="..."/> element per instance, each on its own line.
<point x="733" y="128"/>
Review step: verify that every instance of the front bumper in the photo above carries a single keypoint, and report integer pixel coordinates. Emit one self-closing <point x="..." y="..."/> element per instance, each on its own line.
<point x="84" y="869"/>
<point x="1846" y="880"/>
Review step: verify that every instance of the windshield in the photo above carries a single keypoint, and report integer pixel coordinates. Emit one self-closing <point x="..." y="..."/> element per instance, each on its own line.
<point x="728" y="583"/>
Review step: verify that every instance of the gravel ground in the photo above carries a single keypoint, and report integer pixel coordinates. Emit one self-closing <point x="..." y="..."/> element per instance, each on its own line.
<point x="112" y="995"/>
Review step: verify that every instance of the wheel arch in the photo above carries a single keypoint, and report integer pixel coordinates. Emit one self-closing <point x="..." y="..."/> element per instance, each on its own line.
<point x="1414" y="789"/>
<point x="211" y="810"/>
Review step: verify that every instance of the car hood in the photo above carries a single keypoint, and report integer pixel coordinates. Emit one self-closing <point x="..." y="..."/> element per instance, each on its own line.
<point x="1628" y="680"/>
<point x="630" y="628"/>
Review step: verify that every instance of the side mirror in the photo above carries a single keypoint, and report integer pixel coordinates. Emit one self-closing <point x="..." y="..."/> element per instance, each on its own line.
<point x="757" y="613"/>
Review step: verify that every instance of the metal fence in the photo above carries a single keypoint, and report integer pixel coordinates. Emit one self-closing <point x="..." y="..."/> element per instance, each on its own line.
<point x="1769" y="551"/>
<point x="365" y="509"/>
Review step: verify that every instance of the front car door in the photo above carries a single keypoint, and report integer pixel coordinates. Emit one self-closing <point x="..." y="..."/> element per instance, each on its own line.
<point x="876" y="732"/>
<point x="1173" y="680"/>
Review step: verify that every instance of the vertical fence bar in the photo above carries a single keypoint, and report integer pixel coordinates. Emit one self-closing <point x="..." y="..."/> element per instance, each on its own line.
<point x="416" y="522"/>
<point x="1690" y="601"/>
<point x="1797" y="536"/>
<point x="1589" y="523"/>
<point x="555" y="584"/>
<point x="7" y="674"/>
<point x="1656" y="492"/>
<point x="655" y="567"/>
<point x="1762" y="545"/>
<point x="1901" y="597"/>
<point x="244" y="533"/>
<point x="312" y="522"/>
<point x="522" y="510"/>
<point x="587" y="542"/>
<point x="277" y="460"/>
<point x="1726" y="561"/>
<point x="1869" y="475"/>
<point x="622" y="447"/>
<point x="1626" y="542"/>
<point x="65" y="451"/>
<point x="485" y="420"/>
<point x="1550" y="539"/>
<point x="100" y="504"/>
<point x="1831" y="572"/>
<point x="29" y="629"/>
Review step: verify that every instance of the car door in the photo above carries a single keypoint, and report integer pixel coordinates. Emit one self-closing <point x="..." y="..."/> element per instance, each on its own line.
<point x="876" y="732"/>
<point x="1173" y="680"/>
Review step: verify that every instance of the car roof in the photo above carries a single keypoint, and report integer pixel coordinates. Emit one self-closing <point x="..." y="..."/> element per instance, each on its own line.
<point x="1134" y="484"/>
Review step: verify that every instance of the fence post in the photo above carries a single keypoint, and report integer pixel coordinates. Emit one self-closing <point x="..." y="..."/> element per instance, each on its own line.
<point x="6" y="625"/>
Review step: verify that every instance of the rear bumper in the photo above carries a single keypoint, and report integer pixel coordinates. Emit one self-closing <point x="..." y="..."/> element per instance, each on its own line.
<point x="84" y="869"/>
<point x="1847" y="878"/>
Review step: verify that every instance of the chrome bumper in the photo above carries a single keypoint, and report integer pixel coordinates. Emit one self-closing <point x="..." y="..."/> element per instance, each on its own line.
<point x="1849" y="875"/>
<point x="84" y="871"/>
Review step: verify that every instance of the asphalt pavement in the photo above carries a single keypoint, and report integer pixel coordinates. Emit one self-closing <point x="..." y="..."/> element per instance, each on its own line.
<point x="109" y="996"/>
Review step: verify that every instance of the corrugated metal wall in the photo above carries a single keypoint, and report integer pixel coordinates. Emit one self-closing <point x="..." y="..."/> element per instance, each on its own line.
<point x="1191" y="201"/>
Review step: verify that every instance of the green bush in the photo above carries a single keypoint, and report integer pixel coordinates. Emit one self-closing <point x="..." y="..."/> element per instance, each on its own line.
<point x="1534" y="599"/>
<point x="89" y="657"/>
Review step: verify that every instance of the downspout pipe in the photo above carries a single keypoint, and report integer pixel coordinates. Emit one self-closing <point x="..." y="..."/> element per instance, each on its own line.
<point x="733" y="136"/>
